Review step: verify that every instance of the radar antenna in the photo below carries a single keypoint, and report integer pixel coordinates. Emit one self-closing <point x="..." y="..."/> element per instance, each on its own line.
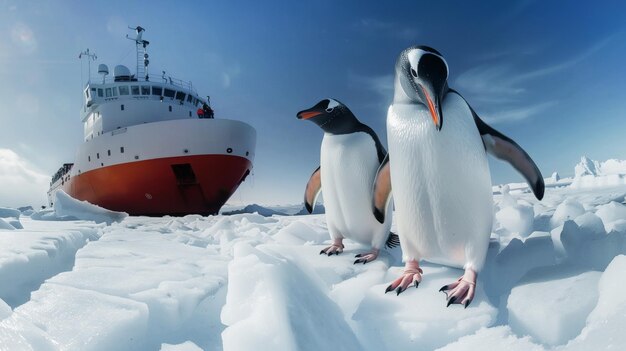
<point x="90" y="57"/>
<point x="142" y="52"/>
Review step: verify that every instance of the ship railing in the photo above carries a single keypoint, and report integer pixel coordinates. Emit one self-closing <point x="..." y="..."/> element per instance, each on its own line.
<point x="175" y="82"/>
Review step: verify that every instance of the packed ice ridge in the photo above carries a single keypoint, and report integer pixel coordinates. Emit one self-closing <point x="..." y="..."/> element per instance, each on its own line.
<point x="553" y="280"/>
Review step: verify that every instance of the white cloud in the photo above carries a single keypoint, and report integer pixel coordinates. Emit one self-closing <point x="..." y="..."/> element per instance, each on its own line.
<point x="516" y="114"/>
<point x="21" y="184"/>
<point x="503" y="87"/>
<point x="24" y="38"/>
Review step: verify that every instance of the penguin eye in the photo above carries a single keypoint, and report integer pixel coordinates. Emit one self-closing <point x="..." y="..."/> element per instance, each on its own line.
<point x="330" y="109"/>
<point x="413" y="73"/>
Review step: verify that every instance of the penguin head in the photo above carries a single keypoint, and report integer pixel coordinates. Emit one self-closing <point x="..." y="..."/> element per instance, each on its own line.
<point x="422" y="74"/>
<point x="332" y="116"/>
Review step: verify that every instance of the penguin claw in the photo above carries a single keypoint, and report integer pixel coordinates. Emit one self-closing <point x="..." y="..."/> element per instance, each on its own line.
<point x="416" y="284"/>
<point x="451" y="301"/>
<point x="399" y="290"/>
<point x="461" y="291"/>
<point x="389" y="288"/>
<point x="358" y="255"/>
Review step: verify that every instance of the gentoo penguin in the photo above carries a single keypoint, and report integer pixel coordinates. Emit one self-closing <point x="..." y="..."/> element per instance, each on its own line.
<point x="350" y="156"/>
<point x="437" y="168"/>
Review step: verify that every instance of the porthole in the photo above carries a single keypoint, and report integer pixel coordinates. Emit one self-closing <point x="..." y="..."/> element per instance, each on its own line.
<point x="136" y="157"/>
<point x="170" y="108"/>
<point x="98" y="155"/>
<point x="247" y="153"/>
<point x="122" y="150"/>
<point x="122" y="107"/>
<point x="186" y="151"/>
<point x="109" y="152"/>
<point x="229" y="150"/>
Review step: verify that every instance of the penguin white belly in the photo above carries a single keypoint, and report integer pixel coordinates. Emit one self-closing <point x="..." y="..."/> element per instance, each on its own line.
<point x="348" y="166"/>
<point x="441" y="184"/>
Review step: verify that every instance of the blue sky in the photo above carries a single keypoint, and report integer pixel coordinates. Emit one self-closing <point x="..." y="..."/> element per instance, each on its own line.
<point x="550" y="75"/>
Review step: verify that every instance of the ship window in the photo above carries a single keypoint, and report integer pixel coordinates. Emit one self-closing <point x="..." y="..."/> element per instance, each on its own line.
<point x="122" y="107"/>
<point x="170" y="108"/>
<point x="93" y="89"/>
<point x="114" y="91"/>
<point x="99" y="92"/>
<point x="180" y="96"/>
<point x="124" y="90"/>
<point x="109" y="152"/>
<point x="108" y="92"/>
<point x="89" y="158"/>
<point x="189" y="98"/>
<point x="189" y="113"/>
<point x="145" y="90"/>
<point x="169" y="93"/>
<point x="157" y="90"/>
<point x="134" y="89"/>
<point x="122" y="149"/>
<point x="98" y="155"/>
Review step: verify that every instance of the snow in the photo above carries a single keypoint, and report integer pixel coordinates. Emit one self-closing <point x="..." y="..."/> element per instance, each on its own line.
<point x="553" y="280"/>
<point x="553" y="311"/>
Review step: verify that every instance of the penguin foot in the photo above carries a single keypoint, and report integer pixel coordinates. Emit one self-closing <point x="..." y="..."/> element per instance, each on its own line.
<point x="336" y="248"/>
<point x="461" y="291"/>
<point x="366" y="257"/>
<point x="412" y="275"/>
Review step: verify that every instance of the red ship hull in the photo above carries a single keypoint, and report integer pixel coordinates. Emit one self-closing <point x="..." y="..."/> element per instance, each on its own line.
<point x="195" y="184"/>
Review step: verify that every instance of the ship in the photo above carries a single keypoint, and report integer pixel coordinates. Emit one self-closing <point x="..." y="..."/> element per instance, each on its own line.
<point x="152" y="145"/>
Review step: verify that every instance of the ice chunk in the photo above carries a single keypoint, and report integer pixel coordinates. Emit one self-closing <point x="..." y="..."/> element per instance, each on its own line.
<point x="28" y="258"/>
<point x="515" y="260"/>
<point x="79" y="319"/>
<point x="5" y="310"/>
<point x="568" y="209"/>
<point x="18" y="333"/>
<point x="591" y="223"/>
<point x="418" y="318"/>
<point x="299" y="232"/>
<point x="516" y="219"/>
<point x="65" y="205"/>
<point x="553" y="311"/>
<point x="586" y="166"/>
<point x="5" y="225"/>
<point x="10" y="216"/>
<point x="274" y="305"/>
<point x="606" y="323"/>
<point x="610" y="213"/>
<point x="497" y="338"/>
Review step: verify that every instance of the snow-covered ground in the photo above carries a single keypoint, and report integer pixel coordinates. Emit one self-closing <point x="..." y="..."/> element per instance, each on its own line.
<point x="554" y="280"/>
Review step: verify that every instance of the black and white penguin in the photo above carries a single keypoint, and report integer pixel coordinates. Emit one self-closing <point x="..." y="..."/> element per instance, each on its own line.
<point x="350" y="156"/>
<point x="438" y="168"/>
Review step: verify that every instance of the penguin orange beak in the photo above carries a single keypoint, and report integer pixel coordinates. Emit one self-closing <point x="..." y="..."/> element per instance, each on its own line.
<point x="308" y="114"/>
<point x="434" y="106"/>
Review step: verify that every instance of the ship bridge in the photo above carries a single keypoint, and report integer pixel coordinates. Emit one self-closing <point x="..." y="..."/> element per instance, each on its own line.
<point x="127" y="99"/>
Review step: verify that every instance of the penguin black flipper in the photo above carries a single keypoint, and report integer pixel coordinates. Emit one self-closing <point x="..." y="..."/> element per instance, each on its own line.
<point x="382" y="190"/>
<point x="380" y="149"/>
<point x="313" y="188"/>
<point x="504" y="148"/>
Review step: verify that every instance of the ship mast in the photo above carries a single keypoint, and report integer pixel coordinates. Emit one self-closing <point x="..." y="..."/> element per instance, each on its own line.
<point x="142" y="52"/>
<point x="90" y="56"/>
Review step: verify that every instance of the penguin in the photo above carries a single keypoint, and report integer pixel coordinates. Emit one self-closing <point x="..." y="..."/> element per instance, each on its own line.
<point x="351" y="153"/>
<point x="438" y="171"/>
